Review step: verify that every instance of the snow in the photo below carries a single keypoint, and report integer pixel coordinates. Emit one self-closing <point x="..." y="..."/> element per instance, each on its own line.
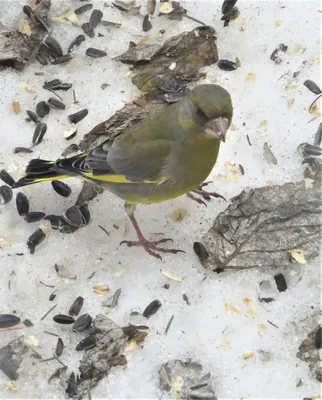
<point x="197" y="330"/>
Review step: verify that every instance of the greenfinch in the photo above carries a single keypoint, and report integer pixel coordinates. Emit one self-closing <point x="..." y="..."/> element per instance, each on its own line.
<point x="166" y="155"/>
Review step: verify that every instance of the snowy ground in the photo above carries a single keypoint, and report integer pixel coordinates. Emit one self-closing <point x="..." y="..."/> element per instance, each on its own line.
<point x="197" y="330"/>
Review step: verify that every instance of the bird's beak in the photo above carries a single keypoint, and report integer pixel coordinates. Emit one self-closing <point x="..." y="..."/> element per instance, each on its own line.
<point x="218" y="127"/>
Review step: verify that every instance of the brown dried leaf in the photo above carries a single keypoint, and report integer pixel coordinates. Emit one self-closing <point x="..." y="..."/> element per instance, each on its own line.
<point x="263" y="123"/>
<point x="250" y="77"/>
<point x="16" y="107"/>
<point x="101" y="289"/>
<point x="248" y="355"/>
<point x="230" y="307"/>
<point x="26" y="87"/>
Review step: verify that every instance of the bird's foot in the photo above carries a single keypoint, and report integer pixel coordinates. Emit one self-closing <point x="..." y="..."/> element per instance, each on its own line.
<point x="152" y="247"/>
<point x="204" y="194"/>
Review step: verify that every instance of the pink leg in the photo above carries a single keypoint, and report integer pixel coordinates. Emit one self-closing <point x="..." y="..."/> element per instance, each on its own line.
<point x="203" y="193"/>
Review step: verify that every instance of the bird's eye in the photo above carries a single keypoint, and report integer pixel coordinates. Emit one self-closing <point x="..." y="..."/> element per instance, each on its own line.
<point x="201" y="114"/>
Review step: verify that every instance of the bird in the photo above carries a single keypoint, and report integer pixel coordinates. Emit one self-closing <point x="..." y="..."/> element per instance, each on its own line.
<point x="166" y="155"/>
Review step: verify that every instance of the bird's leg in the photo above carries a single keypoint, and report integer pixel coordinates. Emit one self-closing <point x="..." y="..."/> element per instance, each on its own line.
<point x="150" y="247"/>
<point x="203" y="193"/>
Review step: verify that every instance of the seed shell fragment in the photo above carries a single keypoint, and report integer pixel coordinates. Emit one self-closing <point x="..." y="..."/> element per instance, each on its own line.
<point x="61" y="188"/>
<point x="88" y="343"/>
<point x="318" y="136"/>
<point x="35" y="239"/>
<point x="95" y="19"/>
<point x="82" y="323"/>
<point x="83" y="9"/>
<point x="95" y="53"/>
<point x="76" y="306"/>
<point x="312" y="86"/>
<point x="33" y="116"/>
<point x="6" y="177"/>
<point x="72" y="386"/>
<point x="53" y="47"/>
<point x="112" y="302"/>
<point x="34" y="216"/>
<point x="42" y="109"/>
<point x="63" y="59"/>
<point x="201" y="251"/>
<point x="152" y="308"/>
<point x="56" y="104"/>
<point x="8" y="320"/>
<point x="146" y="24"/>
<point x="19" y="149"/>
<point x="280" y="282"/>
<point x="39" y="133"/>
<point x="73" y="216"/>
<point x="227" y="65"/>
<point x="22" y="203"/>
<point x="78" y="116"/>
<point x="63" y="319"/>
<point x="5" y="194"/>
<point x="59" y="347"/>
<point x="318" y="338"/>
<point x="268" y="154"/>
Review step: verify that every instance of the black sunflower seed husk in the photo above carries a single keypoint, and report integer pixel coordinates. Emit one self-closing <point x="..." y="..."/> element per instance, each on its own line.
<point x="33" y="116"/>
<point x="151" y="309"/>
<point x="53" y="84"/>
<point x="312" y="86"/>
<point x="82" y="323"/>
<point x="318" y="136"/>
<point x="27" y="323"/>
<point x="20" y="149"/>
<point x="78" y="116"/>
<point x="280" y="282"/>
<point x="83" y="9"/>
<point x="73" y="216"/>
<point x="85" y="213"/>
<point x="227" y="65"/>
<point x="42" y="109"/>
<point x="71" y="386"/>
<point x="43" y="56"/>
<point x="53" y="47"/>
<point x="22" y="203"/>
<point x="35" y="239"/>
<point x="56" y="221"/>
<point x="66" y="228"/>
<point x="95" y="19"/>
<point x="59" y="347"/>
<point x="200" y="251"/>
<point x="76" y="306"/>
<point x="62" y="59"/>
<point x="146" y="24"/>
<point x="88" y="29"/>
<point x="6" y="177"/>
<point x="8" y="320"/>
<point x="61" y="188"/>
<point x="63" y="319"/>
<point x="8" y="368"/>
<point x="58" y="373"/>
<point x="88" y="343"/>
<point x="76" y="42"/>
<point x="34" y="216"/>
<point x="227" y="6"/>
<point x="318" y="338"/>
<point x="56" y="104"/>
<point x="95" y="53"/>
<point x="5" y="194"/>
<point x="39" y="133"/>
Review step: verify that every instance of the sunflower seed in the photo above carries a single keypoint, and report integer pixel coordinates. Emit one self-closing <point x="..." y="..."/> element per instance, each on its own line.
<point x="34" y="216"/>
<point x="39" y="133"/>
<point x="73" y="216"/>
<point x="85" y="214"/>
<point x="75" y="43"/>
<point x="52" y="296"/>
<point x="61" y="188"/>
<point x="71" y="132"/>
<point x="121" y="5"/>
<point x="227" y="65"/>
<point x="306" y="150"/>
<point x="59" y="347"/>
<point x="71" y="386"/>
<point x="43" y="55"/>
<point x="22" y="203"/>
<point x="64" y="58"/>
<point x="280" y="282"/>
<point x="318" y="136"/>
<point x="312" y="86"/>
<point x="95" y="53"/>
<point x="146" y="24"/>
<point x="227" y="6"/>
<point x="17" y="150"/>
<point x="112" y="302"/>
<point x="76" y="306"/>
<point x="151" y="309"/>
<point x="28" y="323"/>
<point x="63" y="319"/>
<point x="78" y="116"/>
<point x="83" y="9"/>
<point x="268" y="154"/>
<point x="54" y="84"/>
<point x="59" y="373"/>
<point x="53" y="47"/>
<point x="42" y="109"/>
<point x="56" y="104"/>
<point x="8" y="368"/>
<point x="34" y="239"/>
<point x="151" y="6"/>
<point x="7" y="178"/>
<point x="95" y="19"/>
<point x="88" y="29"/>
<point x="8" y="320"/>
<point x="56" y="221"/>
<point x="200" y="251"/>
<point x="230" y="15"/>
<point x="33" y="116"/>
<point x="318" y="338"/>
<point x="28" y="11"/>
<point x="88" y="343"/>
<point x="82" y="323"/>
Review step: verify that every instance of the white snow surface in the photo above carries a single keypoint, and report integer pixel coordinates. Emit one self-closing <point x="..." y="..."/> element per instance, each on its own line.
<point x="197" y="329"/>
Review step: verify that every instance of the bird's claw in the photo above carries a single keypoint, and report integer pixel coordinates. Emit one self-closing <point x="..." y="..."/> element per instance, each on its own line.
<point x="204" y="194"/>
<point x="150" y="246"/>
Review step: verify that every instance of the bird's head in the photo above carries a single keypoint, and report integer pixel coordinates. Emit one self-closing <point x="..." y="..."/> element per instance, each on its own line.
<point x="213" y="109"/>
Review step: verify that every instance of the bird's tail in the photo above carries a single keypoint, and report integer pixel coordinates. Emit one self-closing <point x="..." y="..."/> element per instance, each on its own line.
<point x="42" y="170"/>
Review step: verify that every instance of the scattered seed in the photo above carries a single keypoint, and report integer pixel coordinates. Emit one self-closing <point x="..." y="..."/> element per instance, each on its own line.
<point x="87" y="28"/>
<point x="27" y="323"/>
<point x="71" y="386"/>
<point x="63" y="59"/>
<point x="230" y="15"/>
<point x="5" y="194"/>
<point x="8" y="320"/>
<point x="42" y="109"/>
<point x="52" y="296"/>
<point x="63" y="319"/>
<point x="82" y="323"/>
<point x="83" y="9"/>
<point x="8" y="368"/>
<point x="151" y="309"/>
<point x="227" y="65"/>
<point x="73" y="216"/>
<point x="76" y="43"/>
<point x="151" y="6"/>
<point x="71" y="132"/>
<point x="95" y="53"/>
<point x="34" y="216"/>
<point x="53" y="47"/>
<point x="280" y="282"/>
<point x="95" y="19"/>
<point x="200" y="251"/>
<point x="6" y="177"/>
<point x="268" y="154"/>
<point x="318" y="338"/>
<point x="146" y="24"/>
<point x="22" y="203"/>
<point x="39" y="133"/>
<point x="52" y="85"/>
<point x="59" y="347"/>
<point x="59" y="373"/>
<point x="275" y="55"/>
<point x="169" y="324"/>
<point x="85" y="214"/>
<point x="312" y="86"/>
<point x="76" y="306"/>
<point x="56" y="104"/>
<point x="266" y="299"/>
<point x="61" y="188"/>
<point x="112" y="302"/>
<point x="17" y="150"/>
<point x="47" y="313"/>
<point x="33" y="116"/>
<point x="121" y="5"/>
<point x="306" y="150"/>
<point x="227" y="6"/>
<point x="318" y="136"/>
<point x="35" y="239"/>
<point x="88" y="343"/>
<point x="78" y="116"/>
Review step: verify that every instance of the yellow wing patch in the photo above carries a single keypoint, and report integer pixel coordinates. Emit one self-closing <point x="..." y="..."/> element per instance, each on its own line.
<point x="118" y="178"/>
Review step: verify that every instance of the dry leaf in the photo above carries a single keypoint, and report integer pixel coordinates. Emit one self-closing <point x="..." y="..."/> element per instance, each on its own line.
<point x="290" y="102"/>
<point x="248" y="355"/>
<point x="261" y="328"/>
<point x="31" y="342"/>
<point x="277" y="24"/>
<point x="68" y="16"/>
<point x="230" y="307"/>
<point x="171" y="275"/>
<point x="263" y="123"/>
<point x="298" y="256"/>
<point x="24" y="27"/>
<point x="225" y="340"/>
<point x="179" y="214"/>
<point x="296" y="49"/>
<point x="16" y="107"/>
<point x="315" y="111"/>
<point x="26" y="87"/>
<point x="250" y="77"/>
<point x="101" y="289"/>
<point x="166" y="8"/>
